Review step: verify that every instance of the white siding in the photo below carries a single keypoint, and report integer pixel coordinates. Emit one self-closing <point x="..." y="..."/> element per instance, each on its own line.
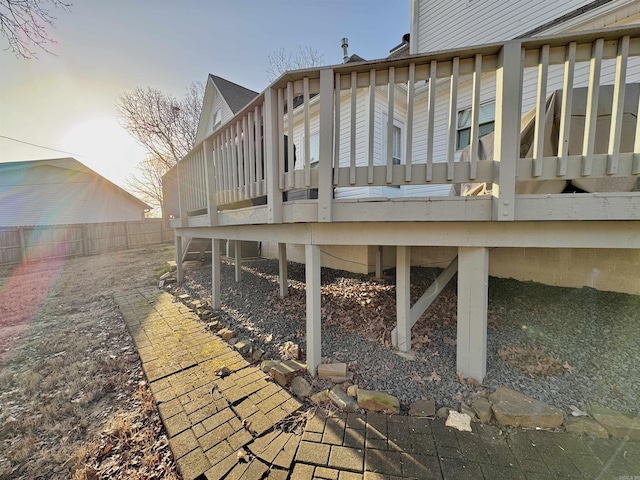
<point x="47" y="195"/>
<point x="442" y="25"/>
<point x="218" y="103"/>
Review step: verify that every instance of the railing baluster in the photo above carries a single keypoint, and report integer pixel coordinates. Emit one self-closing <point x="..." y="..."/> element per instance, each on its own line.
<point x="453" y="117"/>
<point x="431" y="119"/>
<point x="219" y="175"/>
<point x="475" y="117"/>
<point x="240" y="159"/>
<point x="234" y="165"/>
<point x="408" y="153"/>
<point x="336" y="128"/>
<point x="259" y="148"/>
<point x="352" y="131"/>
<point x="290" y="145"/>
<point x="567" y="106"/>
<point x="635" y="169"/>
<point x="229" y="162"/>
<point x="372" y="107"/>
<point x="617" y="109"/>
<point x="246" y="156"/>
<point x="251" y="149"/>
<point x="391" y="87"/>
<point x="538" y="134"/>
<point x="592" y="107"/>
<point x="307" y="140"/>
<point x="280" y="131"/>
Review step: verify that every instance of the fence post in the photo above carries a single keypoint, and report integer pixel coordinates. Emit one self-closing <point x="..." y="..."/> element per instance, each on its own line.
<point x="23" y="247"/>
<point x="85" y="240"/>
<point x="507" y="128"/>
<point x="127" y="234"/>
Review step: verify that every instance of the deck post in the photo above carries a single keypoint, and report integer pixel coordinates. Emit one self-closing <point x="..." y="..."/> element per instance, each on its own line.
<point x="507" y="128"/>
<point x="237" y="247"/>
<point x="325" y="166"/>
<point x="210" y="172"/>
<point x="473" y="287"/>
<point x="216" y="272"/>
<point x="312" y="273"/>
<point x="379" y="264"/>
<point x="403" y="300"/>
<point x="271" y="142"/>
<point x="178" y="245"/>
<point x="283" y="271"/>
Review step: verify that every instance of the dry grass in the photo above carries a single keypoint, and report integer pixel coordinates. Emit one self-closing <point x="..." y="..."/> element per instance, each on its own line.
<point x="73" y="403"/>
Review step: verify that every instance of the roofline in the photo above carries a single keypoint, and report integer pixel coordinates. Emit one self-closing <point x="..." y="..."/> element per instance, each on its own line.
<point x="564" y="18"/>
<point x="52" y="162"/>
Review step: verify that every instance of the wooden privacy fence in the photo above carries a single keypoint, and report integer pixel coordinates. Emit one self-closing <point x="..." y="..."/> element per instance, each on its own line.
<point x="18" y="244"/>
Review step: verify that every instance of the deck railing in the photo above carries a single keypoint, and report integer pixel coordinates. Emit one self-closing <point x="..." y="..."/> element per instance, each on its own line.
<point x="266" y="149"/>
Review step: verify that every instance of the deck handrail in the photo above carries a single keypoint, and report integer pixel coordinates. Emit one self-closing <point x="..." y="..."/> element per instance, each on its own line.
<point x="264" y="150"/>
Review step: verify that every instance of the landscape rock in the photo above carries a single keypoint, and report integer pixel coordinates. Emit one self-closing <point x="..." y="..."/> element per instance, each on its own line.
<point x="466" y="409"/>
<point x="482" y="408"/>
<point x="517" y="410"/>
<point x="320" y="397"/>
<point x="459" y="421"/>
<point x="267" y="365"/>
<point x="226" y="334"/>
<point x="343" y="401"/>
<point x="347" y="378"/>
<point x="587" y="426"/>
<point x="300" y="387"/>
<point x="328" y="370"/>
<point x="618" y="424"/>
<point x="284" y="372"/>
<point x="423" y="408"/>
<point x="378" y="401"/>
<point x="352" y="391"/>
<point x="243" y="347"/>
<point x="443" y="412"/>
<point x="257" y="355"/>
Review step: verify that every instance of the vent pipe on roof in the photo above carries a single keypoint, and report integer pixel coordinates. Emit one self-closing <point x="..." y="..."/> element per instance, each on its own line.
<point x="345" y="46"/>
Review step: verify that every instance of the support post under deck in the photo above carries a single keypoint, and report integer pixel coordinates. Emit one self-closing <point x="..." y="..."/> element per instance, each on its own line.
<point x="282" y="269"/>
<point x="179" y="253"/>
<point x="312" y="273"/>
<point x="403" y="299"/>
<point x="237" y="247"/>
<point x="473" y="294"/>
<point x="379" y="265"/>
<point x="216" y="272"/>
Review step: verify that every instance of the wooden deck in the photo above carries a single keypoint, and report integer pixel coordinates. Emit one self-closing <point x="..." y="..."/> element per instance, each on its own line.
<point x="233" y="184"/>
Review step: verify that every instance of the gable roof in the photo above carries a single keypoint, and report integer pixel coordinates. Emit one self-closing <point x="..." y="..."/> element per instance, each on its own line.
<point x="564" y="18"/>
<point x="235" y="95"/>
<point x="72" y="164"/>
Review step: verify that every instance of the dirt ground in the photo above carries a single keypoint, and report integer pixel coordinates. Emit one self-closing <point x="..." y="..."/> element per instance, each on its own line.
<point x="73" y="400"/>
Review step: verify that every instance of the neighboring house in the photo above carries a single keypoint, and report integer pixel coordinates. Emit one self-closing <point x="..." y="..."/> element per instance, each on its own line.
<point x="222" y="100"/>
<point x="380" y="142"/>
<point x="62" y="191"/>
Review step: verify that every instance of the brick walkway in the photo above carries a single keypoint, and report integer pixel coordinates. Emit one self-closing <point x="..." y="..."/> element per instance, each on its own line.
<point x="209" y="419"/>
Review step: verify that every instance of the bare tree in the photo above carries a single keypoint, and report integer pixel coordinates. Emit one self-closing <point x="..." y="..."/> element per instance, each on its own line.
<point x="165" y="126"/>
<point x="282" y="60"/>
<point x="24" y="24"/>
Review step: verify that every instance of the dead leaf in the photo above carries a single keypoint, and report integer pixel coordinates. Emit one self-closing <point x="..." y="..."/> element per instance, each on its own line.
<point x="435" y="377"/>
<point x="461" y="378"/>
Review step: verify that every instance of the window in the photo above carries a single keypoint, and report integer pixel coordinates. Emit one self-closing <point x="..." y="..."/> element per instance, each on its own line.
<point x="314" y="150"/>
<point x="217" y="118"/>
<point x="485" y="124"/>
<point x="397" y="146"/>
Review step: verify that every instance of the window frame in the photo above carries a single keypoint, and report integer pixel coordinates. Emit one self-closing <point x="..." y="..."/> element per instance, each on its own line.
<point x="490" y="121"/>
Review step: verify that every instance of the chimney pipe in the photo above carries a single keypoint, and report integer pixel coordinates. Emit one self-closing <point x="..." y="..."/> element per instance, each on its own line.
<point x="345" y="54"/>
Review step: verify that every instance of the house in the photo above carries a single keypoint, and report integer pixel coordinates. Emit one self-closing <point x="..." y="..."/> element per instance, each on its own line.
<point x="62" y="191"/>
<point x="382" y="140"/>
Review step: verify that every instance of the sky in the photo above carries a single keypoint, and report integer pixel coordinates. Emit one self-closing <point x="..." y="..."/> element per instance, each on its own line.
<point x="66" y="101"/>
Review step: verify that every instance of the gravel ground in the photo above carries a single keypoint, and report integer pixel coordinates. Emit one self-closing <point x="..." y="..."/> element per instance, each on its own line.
<point x="571" y="348"/>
